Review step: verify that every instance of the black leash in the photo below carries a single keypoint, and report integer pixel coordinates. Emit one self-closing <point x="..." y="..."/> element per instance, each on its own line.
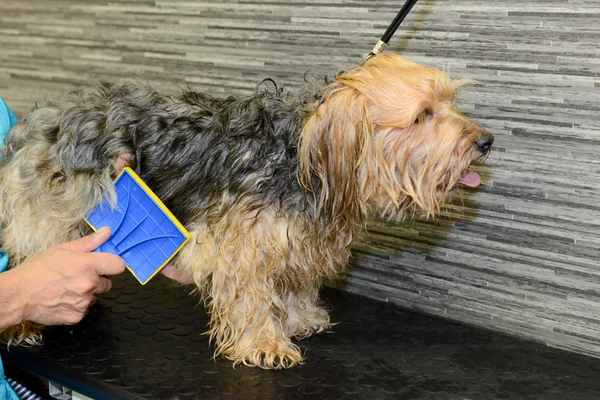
<point x="382" y="43"/>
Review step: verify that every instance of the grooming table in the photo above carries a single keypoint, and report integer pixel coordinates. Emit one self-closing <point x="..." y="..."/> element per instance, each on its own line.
<point x="145" y="342"/>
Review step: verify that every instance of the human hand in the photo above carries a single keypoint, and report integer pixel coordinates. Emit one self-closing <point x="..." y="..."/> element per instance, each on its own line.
<point x="170" y="272"/>
<point x="59" y="285"/>
<point x="123" y="160"/>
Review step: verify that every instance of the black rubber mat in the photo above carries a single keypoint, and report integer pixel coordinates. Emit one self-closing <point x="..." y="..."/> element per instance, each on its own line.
<point x="146" y="342"/>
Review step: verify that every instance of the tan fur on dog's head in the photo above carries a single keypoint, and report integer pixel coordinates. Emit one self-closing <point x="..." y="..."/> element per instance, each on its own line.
<point x="387" y="139"/>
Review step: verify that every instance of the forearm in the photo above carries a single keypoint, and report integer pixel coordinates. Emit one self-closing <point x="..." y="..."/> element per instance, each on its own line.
<point x="12" y="306"/>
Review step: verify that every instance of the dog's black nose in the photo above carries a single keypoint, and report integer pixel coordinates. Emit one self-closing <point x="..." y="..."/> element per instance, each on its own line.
<point x="484" y="142"/>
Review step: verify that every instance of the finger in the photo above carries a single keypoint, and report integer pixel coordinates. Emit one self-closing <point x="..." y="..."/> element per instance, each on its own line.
<point x="87" y="311"/>
<point x="70" y="317"/>
<point x="104" y="285"/>
<point x="171" y="272"/>
<point x="88" y="243"/>
<point x="91" y="304"/>
<point x="106" y="263"/>
<point x="123" y="160"/>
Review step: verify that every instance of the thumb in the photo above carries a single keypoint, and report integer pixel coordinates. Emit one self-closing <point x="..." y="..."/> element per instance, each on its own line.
<point x="88" y="243"/>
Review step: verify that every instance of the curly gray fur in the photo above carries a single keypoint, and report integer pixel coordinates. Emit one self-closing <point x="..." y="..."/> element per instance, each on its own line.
<point x="189" y="149"/>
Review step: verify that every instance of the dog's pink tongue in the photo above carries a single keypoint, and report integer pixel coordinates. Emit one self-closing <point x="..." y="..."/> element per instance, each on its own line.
<point x="470" y="179"/>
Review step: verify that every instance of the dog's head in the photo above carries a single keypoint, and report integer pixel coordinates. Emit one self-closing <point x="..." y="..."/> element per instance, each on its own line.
<point x="388" y="138"/>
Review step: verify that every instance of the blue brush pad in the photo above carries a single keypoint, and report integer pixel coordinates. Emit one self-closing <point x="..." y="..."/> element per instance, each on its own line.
<point x="143" y="233"/>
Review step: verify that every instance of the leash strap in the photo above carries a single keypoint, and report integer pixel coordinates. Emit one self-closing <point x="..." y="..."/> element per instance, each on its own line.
<point x="382" y="43"/>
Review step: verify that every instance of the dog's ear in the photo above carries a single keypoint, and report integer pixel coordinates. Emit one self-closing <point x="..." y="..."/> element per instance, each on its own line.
<point x="334" y="142"/>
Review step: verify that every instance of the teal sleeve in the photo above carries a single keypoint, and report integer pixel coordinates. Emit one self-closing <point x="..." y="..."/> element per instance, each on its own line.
<point x="6" y="392"/>
<point x="7" y="121"/>
<point x="3" y="261"/>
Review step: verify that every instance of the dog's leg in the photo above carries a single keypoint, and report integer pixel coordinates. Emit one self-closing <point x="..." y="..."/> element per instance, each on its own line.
<point x="311" y="260"/>
<point x="236" y="267"/>
<point x="247" y="316"/>
<point x="246" y="309"/>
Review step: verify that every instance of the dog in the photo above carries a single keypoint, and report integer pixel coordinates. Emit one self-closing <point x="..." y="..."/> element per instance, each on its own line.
<point x="273" y="188"/>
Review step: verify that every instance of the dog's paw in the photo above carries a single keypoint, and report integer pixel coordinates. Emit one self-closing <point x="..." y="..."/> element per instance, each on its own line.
<point x="270" y="354"/>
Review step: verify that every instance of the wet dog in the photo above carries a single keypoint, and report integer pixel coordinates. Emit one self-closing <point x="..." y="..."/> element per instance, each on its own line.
<point x="273" y="188"/>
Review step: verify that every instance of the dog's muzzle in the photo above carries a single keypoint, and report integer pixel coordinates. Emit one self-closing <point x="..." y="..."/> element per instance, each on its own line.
<point x="483" y="144"/>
